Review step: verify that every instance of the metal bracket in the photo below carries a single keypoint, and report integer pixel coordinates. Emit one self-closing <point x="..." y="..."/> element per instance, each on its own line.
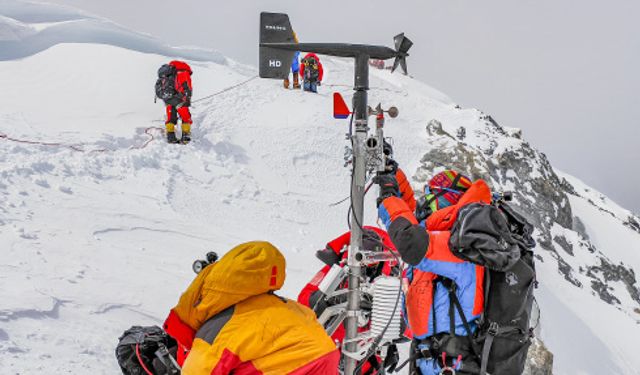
<point x="332" y="317"/>
<point x="361" y="125"/>
<point x="352" y="313"/>
<point x="363" y="342"/>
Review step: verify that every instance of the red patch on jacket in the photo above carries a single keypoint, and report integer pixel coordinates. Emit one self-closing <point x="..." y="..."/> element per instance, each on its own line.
<point x="181" y="332"/>
<point x="274" y="274"/>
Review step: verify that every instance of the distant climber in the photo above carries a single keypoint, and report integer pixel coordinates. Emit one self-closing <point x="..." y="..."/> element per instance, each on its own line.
<point x="174" y="87"/>
<point x="311" y="72"/>
<point x="376" y="63"/>
<point x="295" y="68"/>
<point x="230" y="321"/>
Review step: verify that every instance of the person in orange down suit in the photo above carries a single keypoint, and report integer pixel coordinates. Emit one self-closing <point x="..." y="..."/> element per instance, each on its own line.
<point x="230" y="321"/>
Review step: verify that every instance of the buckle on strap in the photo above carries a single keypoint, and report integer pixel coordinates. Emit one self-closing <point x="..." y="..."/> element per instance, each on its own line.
<point x="425" y="354"/>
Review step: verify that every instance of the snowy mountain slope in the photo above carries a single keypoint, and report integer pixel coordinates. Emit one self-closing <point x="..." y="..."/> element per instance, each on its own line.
<point x="574" y="222"/>
<point x="92" y="242"/>
<point x="588" y="246"/>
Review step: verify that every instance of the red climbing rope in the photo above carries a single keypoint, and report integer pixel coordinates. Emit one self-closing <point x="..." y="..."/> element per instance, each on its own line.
<point x="141" y="361"/>
<point x="79" y="148"/>
<point x="147" y="131"/>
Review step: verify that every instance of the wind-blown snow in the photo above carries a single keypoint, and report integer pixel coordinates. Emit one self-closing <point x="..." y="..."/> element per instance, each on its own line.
<point x="93" y="242"/>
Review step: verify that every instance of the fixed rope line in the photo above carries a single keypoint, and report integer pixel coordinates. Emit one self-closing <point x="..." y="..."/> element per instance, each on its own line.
<point x="225" y="90"/>
<point x="370" y="88"/>
<point x="79" y="148"/>
<point x="147" y="131"/>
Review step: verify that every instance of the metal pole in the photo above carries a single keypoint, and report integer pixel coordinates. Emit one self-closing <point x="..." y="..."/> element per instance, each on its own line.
<point x="361" y="86"/>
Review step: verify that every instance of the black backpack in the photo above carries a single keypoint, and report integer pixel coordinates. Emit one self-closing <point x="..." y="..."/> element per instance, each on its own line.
<point x="166" y="82"/>
<point x="498" y="238"/>
<point x="311" y="72"/>
<point x="147" y="350"/>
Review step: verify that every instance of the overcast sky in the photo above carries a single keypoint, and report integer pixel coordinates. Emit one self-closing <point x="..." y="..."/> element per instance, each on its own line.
<point x="565" y="71"/>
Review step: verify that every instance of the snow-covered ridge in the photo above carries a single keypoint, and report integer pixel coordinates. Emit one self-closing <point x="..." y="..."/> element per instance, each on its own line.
<point x="578" y="188"/>
<point x="40" y="12"/>
<point x="27" y="28"/>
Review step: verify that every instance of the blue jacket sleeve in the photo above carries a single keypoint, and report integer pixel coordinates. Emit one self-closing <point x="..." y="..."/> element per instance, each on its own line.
<point x="295" y="64"/>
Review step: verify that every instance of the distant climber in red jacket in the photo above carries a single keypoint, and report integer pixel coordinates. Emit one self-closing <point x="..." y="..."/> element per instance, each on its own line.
<point x="311" y="72"/>
<point x="174" y="88"/>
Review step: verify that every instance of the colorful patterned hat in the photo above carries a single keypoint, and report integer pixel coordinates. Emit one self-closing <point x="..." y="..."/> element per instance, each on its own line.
<point x="445" y="189"/>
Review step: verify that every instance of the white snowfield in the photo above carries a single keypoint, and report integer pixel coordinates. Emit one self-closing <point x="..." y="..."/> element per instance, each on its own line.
<point x="99" y="228"/>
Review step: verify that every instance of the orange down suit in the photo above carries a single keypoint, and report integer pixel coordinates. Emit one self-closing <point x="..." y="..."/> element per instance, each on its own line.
<point x="231" y="322"/>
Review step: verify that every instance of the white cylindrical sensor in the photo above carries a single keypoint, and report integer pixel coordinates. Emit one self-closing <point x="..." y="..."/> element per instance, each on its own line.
<point x="385" y="296"/>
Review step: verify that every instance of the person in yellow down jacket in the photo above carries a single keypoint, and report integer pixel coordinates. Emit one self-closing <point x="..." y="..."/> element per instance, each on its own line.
<point x="230" y="321"/>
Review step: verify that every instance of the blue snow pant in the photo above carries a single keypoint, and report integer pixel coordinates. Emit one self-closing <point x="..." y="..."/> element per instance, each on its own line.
<point x="310" y="86"/>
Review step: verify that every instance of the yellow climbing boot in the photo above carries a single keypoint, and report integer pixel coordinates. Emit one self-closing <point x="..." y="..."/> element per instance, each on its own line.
<point x="186" y="133"/>
<point x="171" y="132"/>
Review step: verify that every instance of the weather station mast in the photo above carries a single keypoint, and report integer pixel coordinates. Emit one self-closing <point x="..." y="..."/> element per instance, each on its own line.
<point x="277" y="48"/>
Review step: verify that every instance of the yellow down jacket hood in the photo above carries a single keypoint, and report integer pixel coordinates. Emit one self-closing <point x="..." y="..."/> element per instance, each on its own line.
<point x="231" y="321"/>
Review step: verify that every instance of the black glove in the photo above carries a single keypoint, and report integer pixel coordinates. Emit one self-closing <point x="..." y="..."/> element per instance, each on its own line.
<point x="328" y="256"/>
<point x="391" y="166"/>
<point x="392" y="359"/>
<point x="387" y="148"/>
<point x="388" y="186"/>
<point x="318" y="83"/>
